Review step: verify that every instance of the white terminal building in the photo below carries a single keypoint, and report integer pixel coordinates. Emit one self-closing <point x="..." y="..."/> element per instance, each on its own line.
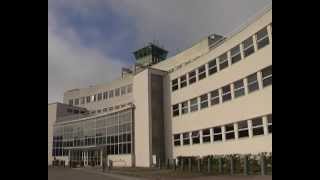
<point x="210" y="99"/>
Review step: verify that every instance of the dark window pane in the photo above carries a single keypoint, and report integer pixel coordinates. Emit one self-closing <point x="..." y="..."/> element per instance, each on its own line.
<point x="174" y="84"/>
<point x="192" y="77"/>
<point x="257" y="121"/>
<point x="257" y="131"/>
<point x="242" y="124"/>
<point x="243" y="133"/>
<point x="212" y="67"/>
<point x="217" y="137"/>
<point x="183" y="81"/>
<point x="229" y="127"/>
<point x="223" y="61"/>
<point x="175" y="110"/>
<point x="230" y="135"/>
<point x="206" y="139"/>
<point x="217" y="130"/>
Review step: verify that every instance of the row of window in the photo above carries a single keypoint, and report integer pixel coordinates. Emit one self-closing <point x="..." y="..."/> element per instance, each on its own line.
<point x="102" y="96"/>
<point x="241" y="129"/>
<point x="111" y="108"/>
<point x="224" y="60"/>
<point x="224" y="93"/>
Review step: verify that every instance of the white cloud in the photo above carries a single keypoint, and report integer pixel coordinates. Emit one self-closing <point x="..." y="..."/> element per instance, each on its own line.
<point x="71" y="65"/>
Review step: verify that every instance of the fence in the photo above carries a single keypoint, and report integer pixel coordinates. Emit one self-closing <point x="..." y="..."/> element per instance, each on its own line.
<point x="246" y="164"/>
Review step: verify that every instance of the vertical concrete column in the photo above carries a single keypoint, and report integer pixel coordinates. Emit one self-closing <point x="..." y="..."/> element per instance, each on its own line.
<point x="187" y="78"/>
<point x="254" y="37"/>
<point x="229" y="58"/>
<point x="265" y="125"/>
<point x="245" y="165"/>
<point x="101" y="157"/>
<point x="218" y="64"/>
<point x="241" y="51"/>
<point x="250" y="128"/>
<point x="190" y="138"/>
<point x="220" y="95"/>
<point x="178" y="82"/>
<point x="232" y="90"/>
<point x="209" y="164"/>
<point x="197" y="73"/>
<point x="223" y="130"/>
<point x="245" y="84"/>
<point x="201" y="134"/>
<point x="207" y="69"/>
<point x="259" y="77"/>
<point x="211" y="135"/>
<point x="269" y="28"/>
<point x="236" y="133"/>
<point x="181" y="139"/>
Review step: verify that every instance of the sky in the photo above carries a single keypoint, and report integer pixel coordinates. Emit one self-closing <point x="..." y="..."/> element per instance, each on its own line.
<point x="89" y="41"/>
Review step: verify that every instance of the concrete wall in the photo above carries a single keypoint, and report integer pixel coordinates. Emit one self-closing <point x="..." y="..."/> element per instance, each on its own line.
<point x="120" y="160"/>
<point x="52" y="114"/>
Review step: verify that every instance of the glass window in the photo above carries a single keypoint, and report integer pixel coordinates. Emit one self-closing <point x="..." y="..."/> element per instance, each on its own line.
<point x="174" y="84"/>
<point x="93" y="98"/>
<point x="70" y="101"/>
<point x="110" y="108"/>
<point x="215" y="98"/>
<point x="203" y="101"/>
<point x="235" y="54"/>
<point x="195" y="137"/>
<point x="217" y="134"/>
<point x="175" y="110"/>
<point x="186" y="138"/>
<point x="238" y="88"/>
<point x="88" y="99"/>
<point x="252" y="83"/>
<point x="177" y="141"/>
<point x="192" y="77"/>
<point x="111" y="93"/>
<point x="123" y="91"/>
<point x="248" y="47"/>
<point x="266" y="76"/>
<point x="105" y="95"/>
<point x="202" y="72"/>
<point x="212" y="67"/>
<point x="243" y="130"/>
<point x="257" y="126"/>
<point x="206" y="135"/>
<point x="194" y="104"/>
<point x="223" y="61"/>
<point x="226" y="93"/>
<point x="99" y="96"/>
<point x="82" y="100"/>
<point x="262" y="38"/>
<point x="183" y="81"/>
<point x="76" y="101"/>
<point x="117" y="92"/>
<point x="184" y="107"/>
<point x="99" y="111"/>
<point x="105" y="109"/>
<point x="129" y="88"/>
<point x="229" y="131"/>
<point x="269" y="120"/>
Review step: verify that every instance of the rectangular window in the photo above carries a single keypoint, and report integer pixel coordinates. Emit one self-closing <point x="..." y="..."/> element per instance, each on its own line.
<point x="203" y="101"/>
<point x="111" y="94"/>
<point x="88" y="99"/>
<point x="174" y="84"/>
<point x="99" y="111"/>
<point x="269" y="120"/>
<point x="266" y="76"/>
<point x="76" y="101"/>
<point x="183" y="81"/>
<point x="105" y="109"/>
<point x="99" y="96"/>
<point x="195" y="137"/>
<point x="202" y="72"/>
<point x="105" y="95"/>
<point x="248" y="47"/>
<point x="223" y="61"/>
<point x="186" y="138"/>
<point x="177" y="141"/>
<point x="70" y="101"/>
<point x="235" y="54"/>
<point x="257" y="126"/>
<point x="83" y="99"/>
<point x="117" y="92"/>
<point x="110" y="108"/>
<point x="123" y="91"/>
<point x="262" y="38"/>
<point x="192" y="77"/>
<point x="238" y="88"/>
<point x="129" y="88"/>
<point x="206" y="136"/>
<point x="175" y="110"/>
<point x="184" y="107"/>
<point x="252" y="83"/>
<point x="229" y="131"/>
<point x="217" y="134"/>
<point x="215" y="98"/>
<point x="93" y="98"/>
<point x="194" y="104"/>
<point x="212" y="67"/>
<point x="243" y="130"/>
<point x="226" y="93"/>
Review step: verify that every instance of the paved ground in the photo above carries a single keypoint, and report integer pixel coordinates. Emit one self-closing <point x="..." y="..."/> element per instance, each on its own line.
<point x="89" y="174"/>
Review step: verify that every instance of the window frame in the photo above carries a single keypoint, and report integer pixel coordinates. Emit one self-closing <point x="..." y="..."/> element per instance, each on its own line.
<point x="195" y="135"/>
<point x="226" y="133"/>
<point x="174" y="86"/>
<point x="233" y="55"/>
<point x="203" y="73"/>
<point x="186" y="139"/>
<point x="224" y="61"/>
<point x="269" y="124"/>
<point x="206" y="136"/>
<point x="241" y="88"/>
<point x="184" y="107"/>
<point x="183" y="83"/>
<point x="212" y="65"/>
<point x="204" y="102"/>
<point x="250" y="85"/>
<point x="226" y="94"/>
<point x="174" y="110"/>
<point x="214" y="134"/>
<point x="246" y="49"/>
<point x="261" y="39"/>
<point x="267" y="77"/>
<point x="176" y="140"/>
<point x="213" y="98"/>
<point x="260" y="126"/>
<point x="192" y="79"/>
<point x="243" y="129"/>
